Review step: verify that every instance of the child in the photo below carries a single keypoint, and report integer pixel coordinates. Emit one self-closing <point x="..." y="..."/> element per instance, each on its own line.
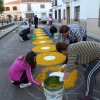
<point x="47" y="23"/>
<point x="20" y="73"/>
<point x="50" y="20"/>
<point x="53" y="30"/>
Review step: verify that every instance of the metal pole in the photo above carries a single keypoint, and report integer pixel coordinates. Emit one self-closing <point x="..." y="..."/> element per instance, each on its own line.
<point x="70" y="11"/>
<point x="99" y="15"/>
<point x="2" y="20"/>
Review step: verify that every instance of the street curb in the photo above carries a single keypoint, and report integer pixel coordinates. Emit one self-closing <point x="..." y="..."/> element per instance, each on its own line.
<point x="7" y="33"/>
<point x="95" y="39"/>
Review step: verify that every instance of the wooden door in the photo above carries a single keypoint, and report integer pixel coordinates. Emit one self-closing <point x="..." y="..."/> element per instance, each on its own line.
<point x="68" y="15"/>
<point x="59" y="16"/>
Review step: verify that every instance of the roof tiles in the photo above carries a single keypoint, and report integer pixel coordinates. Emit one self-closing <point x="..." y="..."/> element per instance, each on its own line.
<point x="35" y="0"/>
<point x="13" y="2"/>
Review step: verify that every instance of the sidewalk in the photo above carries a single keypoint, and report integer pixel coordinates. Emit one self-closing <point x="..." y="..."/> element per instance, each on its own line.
<point x="7" y="31"/>
<point x="3" y="24"/>
<point x="90" y="35"/>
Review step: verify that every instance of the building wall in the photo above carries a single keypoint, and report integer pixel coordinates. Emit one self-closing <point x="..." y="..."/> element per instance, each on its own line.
<point x="83" y="12"/>
<point x="23" y="11"/>
<point x="60" y="6"/>
<point x="35" y="7"/>
<point x="12" y="12"/>
<point x="92" y="17"/>
<point x="89" y="14"/>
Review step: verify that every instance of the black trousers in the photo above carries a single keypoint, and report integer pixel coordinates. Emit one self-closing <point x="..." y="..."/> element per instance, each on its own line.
<point x="90" y="76"/>
<point x="36" y="25"/>
<point x="23" y="79"/>
<point x="24" y="37"/>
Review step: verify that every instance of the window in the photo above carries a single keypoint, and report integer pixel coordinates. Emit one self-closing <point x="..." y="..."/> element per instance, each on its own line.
<point x="55" y="14"/>
<point x="7" y="8"/>
<point x="50" y="10"/>
<point x="42" y="6"/>
<point x="76" y="13"/>
<point x="29" y="7"/>
<point x="52" y="3"/>
<point x="14" y="8"/>
<point x="55" y="2"/>
<point x="64" y="13"/>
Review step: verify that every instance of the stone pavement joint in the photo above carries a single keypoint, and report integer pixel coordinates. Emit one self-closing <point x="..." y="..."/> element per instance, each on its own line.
<point x="7" y="31"/>
<point x="90" y="35"/>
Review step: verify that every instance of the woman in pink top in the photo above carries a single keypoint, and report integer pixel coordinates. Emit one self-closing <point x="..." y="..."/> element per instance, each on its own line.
<point x="20" y="73"/>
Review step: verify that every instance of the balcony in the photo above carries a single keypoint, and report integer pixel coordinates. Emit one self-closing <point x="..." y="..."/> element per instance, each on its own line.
<point x="66" y="1"/>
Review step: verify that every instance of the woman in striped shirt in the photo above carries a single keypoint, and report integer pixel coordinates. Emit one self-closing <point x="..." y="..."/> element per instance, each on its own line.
<point x="79" y="53"/>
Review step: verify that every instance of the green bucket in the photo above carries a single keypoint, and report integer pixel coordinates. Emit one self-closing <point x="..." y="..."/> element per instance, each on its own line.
<point x="53" y="80"/>
<point x="32" y="37"/>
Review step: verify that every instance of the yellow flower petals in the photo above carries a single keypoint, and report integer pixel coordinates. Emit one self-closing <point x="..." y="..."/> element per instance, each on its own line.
<point x="42" y="37"/>
<point x="38" y="42"/>
<point x="58" y="58"/>
<point x="68" y="83"/>
<point x="44" y="48"/>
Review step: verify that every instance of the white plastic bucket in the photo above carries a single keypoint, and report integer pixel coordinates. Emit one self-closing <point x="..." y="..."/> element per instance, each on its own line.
<point x="56" y="35"/>
<point x="54" y="95"/>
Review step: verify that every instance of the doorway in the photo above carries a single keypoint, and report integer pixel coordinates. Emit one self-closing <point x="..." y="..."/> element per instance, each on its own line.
<point x="9" y="17"/>
<point x="59" y="16"/>
<point x="68" y="15"/>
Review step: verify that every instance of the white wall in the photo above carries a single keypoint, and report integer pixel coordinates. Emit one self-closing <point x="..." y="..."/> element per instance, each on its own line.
<point x="23" y="9"/>
<point x="83" y="8"/>
<point x="61" y="6"/>
<point x="36" y="9"/>
<point x="93" y="8"/>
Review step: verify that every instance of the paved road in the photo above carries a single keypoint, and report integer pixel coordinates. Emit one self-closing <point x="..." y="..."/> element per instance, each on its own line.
<point x="10" y="48"/>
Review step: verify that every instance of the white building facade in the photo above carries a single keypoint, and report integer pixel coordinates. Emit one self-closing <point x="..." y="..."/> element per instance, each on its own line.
<point x="83" y="12"/>
<point x="41" y="9"/>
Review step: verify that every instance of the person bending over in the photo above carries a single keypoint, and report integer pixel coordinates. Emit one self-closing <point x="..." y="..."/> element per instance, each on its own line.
<point x="53" y="30"/>
<point x="85" y="52"/>
<point x="74" y="32"/>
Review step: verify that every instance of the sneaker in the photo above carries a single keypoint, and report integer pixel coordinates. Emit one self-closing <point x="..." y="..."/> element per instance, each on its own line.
<point x="83" y="97"/>
<point x="22" y="40"/>
<point x="25" y="85"/>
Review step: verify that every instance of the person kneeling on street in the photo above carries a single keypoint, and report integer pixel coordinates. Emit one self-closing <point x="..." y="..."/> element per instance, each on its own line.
<point x="53" y="30"/>
<point x="85" y="52"/>
<point x="25" y="34"/>
<point x="20" y="72"/>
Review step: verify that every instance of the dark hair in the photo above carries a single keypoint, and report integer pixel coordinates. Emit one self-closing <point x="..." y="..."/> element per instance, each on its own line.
<point x="28" y="28"/>
<point x="63" y="29"/>
<point x="61" y="46"/>
<point x="53" y="27"/>
<point x="29" y="58"/>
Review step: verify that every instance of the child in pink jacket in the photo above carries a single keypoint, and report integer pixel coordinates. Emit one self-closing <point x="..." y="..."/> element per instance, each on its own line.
<point x="20" y="73"/>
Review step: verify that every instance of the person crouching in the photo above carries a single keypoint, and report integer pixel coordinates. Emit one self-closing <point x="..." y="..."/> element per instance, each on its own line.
<point x="25" y="34"/>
